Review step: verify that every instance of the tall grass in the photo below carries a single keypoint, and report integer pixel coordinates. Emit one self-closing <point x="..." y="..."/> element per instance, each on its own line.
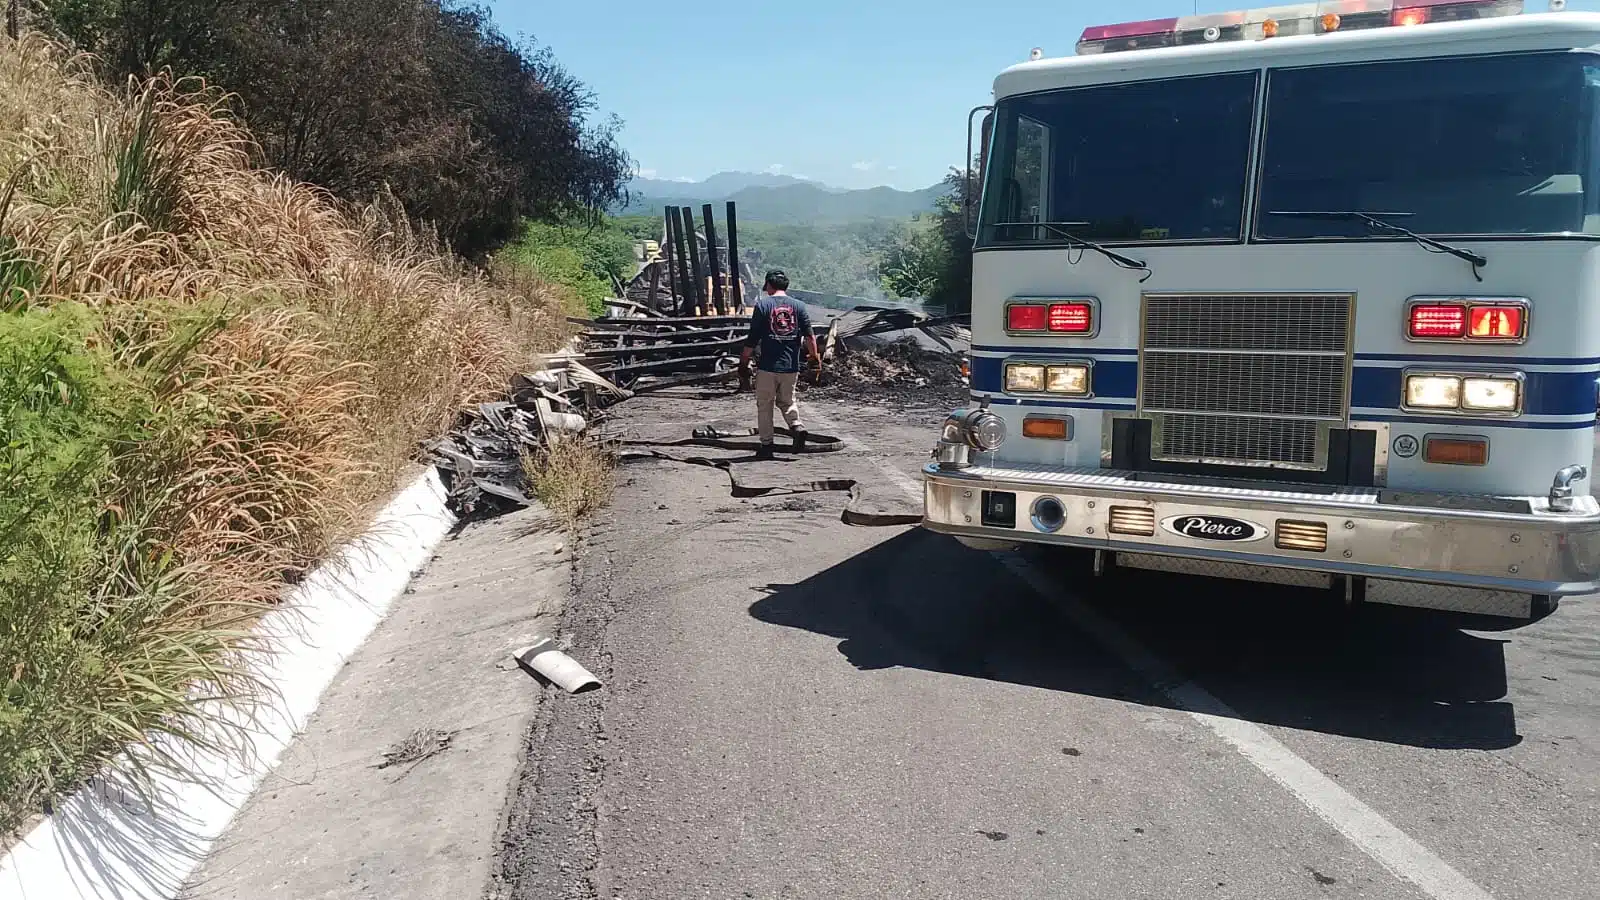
<point x="207" y="374"/>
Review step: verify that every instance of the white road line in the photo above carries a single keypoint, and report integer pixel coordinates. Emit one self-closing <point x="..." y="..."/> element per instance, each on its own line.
<point x="1375" y="835"/>
<point x="1361" y="824"/>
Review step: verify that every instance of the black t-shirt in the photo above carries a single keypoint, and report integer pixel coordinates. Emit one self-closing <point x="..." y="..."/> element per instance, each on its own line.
<point x="779" y="327"/>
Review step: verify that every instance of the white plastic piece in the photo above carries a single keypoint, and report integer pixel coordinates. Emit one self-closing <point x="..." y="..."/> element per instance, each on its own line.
<point x="557" y="667"/>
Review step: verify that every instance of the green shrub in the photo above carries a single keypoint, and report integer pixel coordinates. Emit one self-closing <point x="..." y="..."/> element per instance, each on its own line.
<point x="581" y="255"/>
<point x="56" y="429"/>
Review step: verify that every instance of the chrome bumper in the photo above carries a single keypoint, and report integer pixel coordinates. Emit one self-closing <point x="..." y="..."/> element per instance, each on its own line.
<point x="1502" y="544"/>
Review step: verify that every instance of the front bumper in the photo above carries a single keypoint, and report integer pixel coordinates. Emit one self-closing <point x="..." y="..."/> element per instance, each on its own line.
<point x="1501" y="544"/>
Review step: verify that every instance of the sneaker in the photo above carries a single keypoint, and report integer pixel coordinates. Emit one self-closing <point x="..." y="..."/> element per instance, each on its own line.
<point x="765" y="452"/>
<point x="799" y="439"/>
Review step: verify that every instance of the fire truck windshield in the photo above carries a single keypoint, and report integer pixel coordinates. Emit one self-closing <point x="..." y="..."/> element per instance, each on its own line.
<point x="1134" y="163"/>
<point x="1501" y="145"/>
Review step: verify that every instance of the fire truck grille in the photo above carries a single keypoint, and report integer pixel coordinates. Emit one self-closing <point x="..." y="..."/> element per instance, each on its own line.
<point x="1234" y="439"/>
<point x="1245" y="379"/>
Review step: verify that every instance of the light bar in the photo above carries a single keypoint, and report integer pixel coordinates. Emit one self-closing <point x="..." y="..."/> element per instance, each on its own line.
<point x="1322" y="17"/>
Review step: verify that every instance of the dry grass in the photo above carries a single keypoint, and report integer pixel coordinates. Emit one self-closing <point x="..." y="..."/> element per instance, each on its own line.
<point x="573" y="478"/>
<point x="218" y="370"/>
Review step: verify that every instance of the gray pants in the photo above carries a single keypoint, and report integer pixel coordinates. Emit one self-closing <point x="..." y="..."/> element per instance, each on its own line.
<point x="771" y="388"/>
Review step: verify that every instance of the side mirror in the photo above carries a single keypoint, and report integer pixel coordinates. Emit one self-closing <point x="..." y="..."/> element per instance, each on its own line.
<point x="972" y="187"/>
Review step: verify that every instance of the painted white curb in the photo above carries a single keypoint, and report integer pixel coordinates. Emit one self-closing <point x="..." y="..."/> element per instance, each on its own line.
<point x="104" y="843"/>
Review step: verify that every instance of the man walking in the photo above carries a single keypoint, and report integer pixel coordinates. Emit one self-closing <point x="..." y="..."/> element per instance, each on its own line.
<point x="779" y="328"/>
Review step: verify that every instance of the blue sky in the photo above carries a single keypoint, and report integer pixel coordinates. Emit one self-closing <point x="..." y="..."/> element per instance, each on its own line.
<point x="849" y="92"/>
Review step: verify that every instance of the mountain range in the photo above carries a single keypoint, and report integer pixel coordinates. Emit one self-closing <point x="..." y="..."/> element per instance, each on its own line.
<point x="781" y="199"/>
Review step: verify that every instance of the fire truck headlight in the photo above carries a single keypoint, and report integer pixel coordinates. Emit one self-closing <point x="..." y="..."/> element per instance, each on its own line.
<point x="1024" y="378"/>
<point x="1496" y="392"/>
<point x="1492" y="394"/>
<point x="1433" y="391"/>
<point x="1072" y="380"/>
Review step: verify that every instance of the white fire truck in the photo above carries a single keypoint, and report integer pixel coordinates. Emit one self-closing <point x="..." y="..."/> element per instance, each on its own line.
<point x="1307" y="295"/>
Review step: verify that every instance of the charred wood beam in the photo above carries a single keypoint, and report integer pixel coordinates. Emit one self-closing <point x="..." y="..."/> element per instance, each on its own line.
<point x="653" y="315"/>
<point x="735" y="267"/>
<point x="689" y="298"/>
<point x="666" y="365"/>
<point x="692" y="321"/>
<point x="702" y="303"/>
<point x="712" y="262"/>
<point x="601" y="340"/>
<point x="662" y="384"/>
<point x="669" y="247"/>
<point x="649" y="350"/>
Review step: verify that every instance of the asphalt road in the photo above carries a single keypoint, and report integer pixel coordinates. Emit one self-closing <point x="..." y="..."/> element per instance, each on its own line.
<point x="796" y="708"/>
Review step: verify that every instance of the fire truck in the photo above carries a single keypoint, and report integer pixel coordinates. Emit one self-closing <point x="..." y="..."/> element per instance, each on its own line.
<point x="1305" y="295"/>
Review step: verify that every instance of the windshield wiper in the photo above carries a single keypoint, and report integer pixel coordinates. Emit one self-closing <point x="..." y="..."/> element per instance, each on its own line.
<point x="1373" y="221"/>
<point x="1060" y="228"/>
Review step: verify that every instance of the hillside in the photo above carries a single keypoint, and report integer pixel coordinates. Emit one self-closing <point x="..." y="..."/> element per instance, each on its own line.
<point x="208" y="375"/>
<point x="783" y="200"/>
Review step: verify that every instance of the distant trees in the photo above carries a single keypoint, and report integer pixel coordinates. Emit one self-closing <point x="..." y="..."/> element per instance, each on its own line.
<point x="934" y="258"/>
<point x="424" y="98"/>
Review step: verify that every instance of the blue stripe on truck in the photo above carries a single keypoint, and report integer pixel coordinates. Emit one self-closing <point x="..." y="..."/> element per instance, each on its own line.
<point x="1371" y="387"/>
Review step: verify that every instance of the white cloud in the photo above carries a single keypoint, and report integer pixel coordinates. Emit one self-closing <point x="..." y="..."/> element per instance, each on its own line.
<point x="775" y="168"/>
<point x="684" y="179"/>
<point x="647" y="173"/>
<point x="864" y="165"/>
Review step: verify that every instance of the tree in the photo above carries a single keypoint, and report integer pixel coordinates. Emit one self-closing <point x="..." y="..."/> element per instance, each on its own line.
<point x="954" y="291"/>
<point x="933" y="259"/>
<point x="425" y="99"/>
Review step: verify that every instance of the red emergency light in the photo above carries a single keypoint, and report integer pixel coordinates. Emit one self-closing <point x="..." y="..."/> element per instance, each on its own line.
<point x="1324" y="17"/>
<point x="1436" y="322"/>
<point x="1491" y="320"/>
<point x="1071" y="318"/>
<point x="1067" y="317"/>
<point x="1495" y="323"/>
<point x="1027" y="317"/>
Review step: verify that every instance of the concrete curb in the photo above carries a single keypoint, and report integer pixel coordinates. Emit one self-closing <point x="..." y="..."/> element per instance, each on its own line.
<point x="106" y="842"/>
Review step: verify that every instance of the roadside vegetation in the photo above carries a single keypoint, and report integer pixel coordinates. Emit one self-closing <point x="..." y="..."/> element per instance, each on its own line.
<point x="210" y="374"/>
<point x="572" y="478"/>
<point x="585" y="254"/>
